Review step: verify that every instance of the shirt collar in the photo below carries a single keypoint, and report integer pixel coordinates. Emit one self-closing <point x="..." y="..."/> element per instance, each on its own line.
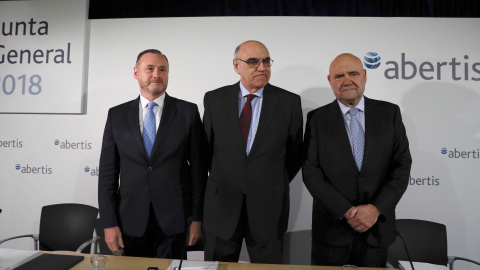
<point x="160" y="100"/>
<point x="345" y="109"/>
<point x="244" y="92"/>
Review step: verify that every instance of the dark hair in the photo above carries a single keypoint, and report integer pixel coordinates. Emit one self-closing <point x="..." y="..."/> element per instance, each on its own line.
<point x="154" y="51"/>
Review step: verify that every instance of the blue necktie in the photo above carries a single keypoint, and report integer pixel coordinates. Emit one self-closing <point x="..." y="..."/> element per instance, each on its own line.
<point x="149" y="128"/>
<point x="358" y="137"/>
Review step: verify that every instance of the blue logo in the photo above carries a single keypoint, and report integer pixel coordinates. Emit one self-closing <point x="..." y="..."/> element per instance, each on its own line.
<point x="93" y="171"/>
<point x="372" y="60"/>
<point x="56" y="142"/>
<point x="444" y="150"/>
<point x="18" y="166"/>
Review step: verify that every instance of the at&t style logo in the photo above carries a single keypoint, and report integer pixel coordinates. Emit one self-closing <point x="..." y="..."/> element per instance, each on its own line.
<point x="372" y="60"/>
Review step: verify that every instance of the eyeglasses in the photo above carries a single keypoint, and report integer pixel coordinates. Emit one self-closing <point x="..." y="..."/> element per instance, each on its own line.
<point x="255" y="62"/>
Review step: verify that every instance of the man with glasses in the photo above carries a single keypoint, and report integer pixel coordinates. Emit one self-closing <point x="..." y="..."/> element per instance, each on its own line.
<point x="254" y="132"/>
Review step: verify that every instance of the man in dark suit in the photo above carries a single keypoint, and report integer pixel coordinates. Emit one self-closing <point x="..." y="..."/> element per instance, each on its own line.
<point x="152" y="168"/>
<point x="356" y="166"/>
<point x="254" y="133"/>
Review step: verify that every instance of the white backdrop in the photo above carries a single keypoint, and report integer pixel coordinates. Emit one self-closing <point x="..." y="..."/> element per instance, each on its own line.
<point x="441" y="114"/>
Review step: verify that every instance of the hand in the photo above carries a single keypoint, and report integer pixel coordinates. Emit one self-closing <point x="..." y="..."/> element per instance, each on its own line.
<point x="113" y="238"/>
<point x="366" y="216"/>
<point x="195" y="232"/>
<point x="351" y="212"/>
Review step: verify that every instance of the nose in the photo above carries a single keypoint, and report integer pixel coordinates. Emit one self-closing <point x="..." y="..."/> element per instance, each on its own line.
<point x="261" y="66"/>
<point x="156" y="73"/>
<point x="347" y="80"/>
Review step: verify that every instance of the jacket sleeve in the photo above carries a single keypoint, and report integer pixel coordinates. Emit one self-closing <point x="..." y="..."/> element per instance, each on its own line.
<point x="294" y="141"/>
<point x="198" y="164"/>
<point x="108" y="179"/>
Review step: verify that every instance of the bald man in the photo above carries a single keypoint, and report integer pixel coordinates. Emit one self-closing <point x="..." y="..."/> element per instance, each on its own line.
<point x="356" y="165"/>
<point x="254" y="132"/>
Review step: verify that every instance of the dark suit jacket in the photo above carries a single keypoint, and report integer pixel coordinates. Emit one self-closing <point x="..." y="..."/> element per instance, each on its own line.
<point x="264" y="175"/>
<point x="333" y="179"/>
<point x="172" y="179"/>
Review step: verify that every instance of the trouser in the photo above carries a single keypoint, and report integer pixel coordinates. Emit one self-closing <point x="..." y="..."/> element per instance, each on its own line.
<point x="358" y="253"/>
<point x="228" y="250"/>
<point x="154" y="243"/>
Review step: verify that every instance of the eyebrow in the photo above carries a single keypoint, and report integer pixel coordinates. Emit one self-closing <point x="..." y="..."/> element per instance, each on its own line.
<point x="348" y="72"/>
<point x="147" y="65"/>
<point x="257" y="59"/>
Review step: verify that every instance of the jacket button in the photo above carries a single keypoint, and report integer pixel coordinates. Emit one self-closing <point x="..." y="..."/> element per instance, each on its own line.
<point x="150" y="169"/>
<point x="147" y="189"/>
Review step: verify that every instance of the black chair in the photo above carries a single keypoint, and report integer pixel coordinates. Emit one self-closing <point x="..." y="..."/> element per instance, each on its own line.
<point x="65" y="227"/>
<point x="426" y="242"/>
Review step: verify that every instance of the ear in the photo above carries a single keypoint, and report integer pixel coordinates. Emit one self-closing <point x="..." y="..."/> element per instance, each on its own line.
<point x="135" y="73"/>
<point x="235" y="66"/>
<point x="365" y="74"/>
<point x="328" y="77"/>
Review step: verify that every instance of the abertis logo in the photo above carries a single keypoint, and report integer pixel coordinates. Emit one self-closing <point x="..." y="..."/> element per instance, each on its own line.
<point x="69" y="145"/>
<point x="91" y="171"/>
<point x="29" y="169"/>
<point x="461" y="154"/>
<point x="408" y="67"/>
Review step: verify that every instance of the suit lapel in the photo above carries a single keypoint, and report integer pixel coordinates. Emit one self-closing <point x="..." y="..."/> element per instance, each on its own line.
<point x="337" y="124"/>
<point x="134" y="124"/>
<point x="371" y="129"/>
<point x="168" y="114"/>
<point x="233" y="115"/>
<point x="269" y="105"/>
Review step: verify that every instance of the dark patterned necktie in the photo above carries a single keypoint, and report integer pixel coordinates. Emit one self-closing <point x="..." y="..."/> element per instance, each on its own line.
<point x="246" y="118"/>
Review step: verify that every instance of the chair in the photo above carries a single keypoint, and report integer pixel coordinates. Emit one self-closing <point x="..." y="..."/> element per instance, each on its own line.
<point x="426" y="242"/>
<point x="65" y="227"/>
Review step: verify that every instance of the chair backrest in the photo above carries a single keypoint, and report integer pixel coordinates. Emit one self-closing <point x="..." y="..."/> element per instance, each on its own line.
<point x="66" y="226"/>
<point x="426" y="241"/>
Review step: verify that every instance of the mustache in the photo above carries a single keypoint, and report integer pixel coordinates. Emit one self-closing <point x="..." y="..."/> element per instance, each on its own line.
<point x="260" y="74"/>
<point x="350" y="87"/>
